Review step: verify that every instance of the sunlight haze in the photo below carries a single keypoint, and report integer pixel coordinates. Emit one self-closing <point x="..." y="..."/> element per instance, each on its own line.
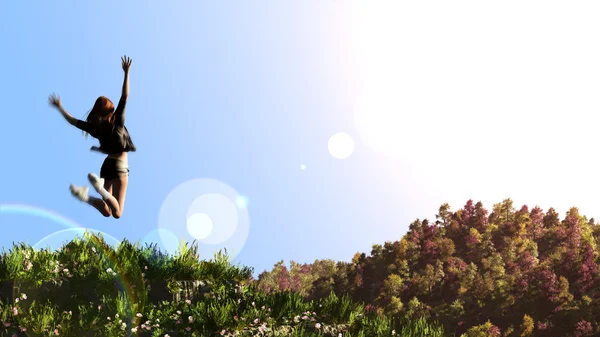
<point x="389" y="109"/>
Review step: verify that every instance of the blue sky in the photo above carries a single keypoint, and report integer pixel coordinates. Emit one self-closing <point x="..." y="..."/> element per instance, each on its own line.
<point x="444" y="102"/>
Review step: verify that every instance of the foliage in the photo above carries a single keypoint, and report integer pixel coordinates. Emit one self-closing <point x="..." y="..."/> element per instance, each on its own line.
<point x="509" y="272"/>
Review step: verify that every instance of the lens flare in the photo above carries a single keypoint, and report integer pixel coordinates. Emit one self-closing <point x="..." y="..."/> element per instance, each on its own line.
<point x="209" y="212"/>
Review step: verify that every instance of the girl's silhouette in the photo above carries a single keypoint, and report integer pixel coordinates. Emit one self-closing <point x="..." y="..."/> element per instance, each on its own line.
<point x="106" y="124"/>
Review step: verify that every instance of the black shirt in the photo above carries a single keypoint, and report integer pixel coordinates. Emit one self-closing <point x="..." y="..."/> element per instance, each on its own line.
<point x="114" y="138"/>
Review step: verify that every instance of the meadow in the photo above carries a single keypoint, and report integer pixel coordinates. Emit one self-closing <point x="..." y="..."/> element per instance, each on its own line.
<point x="88" y="288"/>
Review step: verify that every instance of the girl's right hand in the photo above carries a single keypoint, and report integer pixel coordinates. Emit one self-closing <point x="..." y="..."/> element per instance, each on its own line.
<point x="54" y="100"/>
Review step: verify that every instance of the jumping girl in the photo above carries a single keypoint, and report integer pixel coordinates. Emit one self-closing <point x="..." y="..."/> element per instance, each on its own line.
<point x="106" y="124"/>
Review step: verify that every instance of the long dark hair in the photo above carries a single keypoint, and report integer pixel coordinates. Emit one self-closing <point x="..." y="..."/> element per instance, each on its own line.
<point x="102" y="111"/>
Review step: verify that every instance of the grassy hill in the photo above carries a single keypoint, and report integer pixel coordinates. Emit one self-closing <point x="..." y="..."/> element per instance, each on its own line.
<point x="468" y="273"/>
<point x="87" y="288"/>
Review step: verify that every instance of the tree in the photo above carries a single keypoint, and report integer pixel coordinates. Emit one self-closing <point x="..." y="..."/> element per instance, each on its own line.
<point x="283" y="279"/>
<point x="587" y="274"/>
<point x="537" y="217"/>
<point x="444" y="215"/>
<point x="527" y="326"/>
<point x="391" y="294"/>
<point x="486" y="329"/>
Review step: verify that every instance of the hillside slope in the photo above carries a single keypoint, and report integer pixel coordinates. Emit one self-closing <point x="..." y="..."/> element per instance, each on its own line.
<point x="526" y="272"/>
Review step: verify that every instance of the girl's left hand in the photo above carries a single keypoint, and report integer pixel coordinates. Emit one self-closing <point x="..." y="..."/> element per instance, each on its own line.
<point x="125" y="63"/>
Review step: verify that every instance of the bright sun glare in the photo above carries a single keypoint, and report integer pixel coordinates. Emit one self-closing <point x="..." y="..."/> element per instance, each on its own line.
<point x="453" y="84"/>
<point x="383" y="122"/>
<point x="388" y="110"/>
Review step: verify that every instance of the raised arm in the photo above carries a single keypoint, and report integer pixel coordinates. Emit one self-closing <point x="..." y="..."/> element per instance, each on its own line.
<point x="120" y="111"/>
<point x="54" y="100"/>
<point x="126" y="63"/>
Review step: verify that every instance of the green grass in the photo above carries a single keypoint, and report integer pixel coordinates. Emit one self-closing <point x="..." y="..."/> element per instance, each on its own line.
<point x="87" y="288"/>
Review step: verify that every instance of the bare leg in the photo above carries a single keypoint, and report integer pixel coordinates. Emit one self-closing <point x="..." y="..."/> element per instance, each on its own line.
<point x="100" y="205"/>
<point x="118" y="189"/>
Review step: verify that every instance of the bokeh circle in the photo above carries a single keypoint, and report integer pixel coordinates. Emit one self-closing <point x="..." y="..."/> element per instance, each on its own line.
<point x="207" y="211"/>
<point x="341" y="145"/>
